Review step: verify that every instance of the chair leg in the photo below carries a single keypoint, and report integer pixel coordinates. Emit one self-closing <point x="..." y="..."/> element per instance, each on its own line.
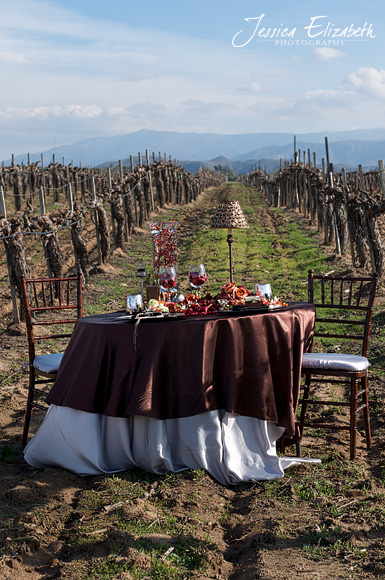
<point x="353" y="417"/>
<point x="365" y="401"/>
<point x="305" y="403"/>
<point x="28" y="410"/>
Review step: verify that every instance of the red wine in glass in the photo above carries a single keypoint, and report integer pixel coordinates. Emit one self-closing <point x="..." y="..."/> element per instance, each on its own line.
<point x="167" y="279"/>
<point x="197" y="276"/>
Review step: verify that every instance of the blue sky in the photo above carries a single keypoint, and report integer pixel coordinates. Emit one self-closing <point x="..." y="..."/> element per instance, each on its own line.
<point x="78" y="69"/>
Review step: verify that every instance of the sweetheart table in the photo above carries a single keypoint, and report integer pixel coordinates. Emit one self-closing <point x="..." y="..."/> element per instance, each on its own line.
<point x="165" y="394"/>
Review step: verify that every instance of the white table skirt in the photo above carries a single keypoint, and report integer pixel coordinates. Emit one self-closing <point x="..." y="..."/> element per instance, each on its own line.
<point x="229" y="447"/>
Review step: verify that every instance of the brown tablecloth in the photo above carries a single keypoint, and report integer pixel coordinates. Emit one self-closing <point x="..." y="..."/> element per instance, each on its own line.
<point x="246" y="364"/>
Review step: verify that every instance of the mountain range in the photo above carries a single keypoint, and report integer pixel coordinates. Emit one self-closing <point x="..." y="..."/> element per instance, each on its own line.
<point x="242" y="152"/>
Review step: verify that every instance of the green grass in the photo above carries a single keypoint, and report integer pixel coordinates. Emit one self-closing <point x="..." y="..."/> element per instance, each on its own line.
<point x="124" y="532"/>
<point x="328" y="541"/>
<point x="280" y="255"/>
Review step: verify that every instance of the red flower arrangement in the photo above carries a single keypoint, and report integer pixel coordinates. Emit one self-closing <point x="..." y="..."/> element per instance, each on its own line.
<point x="230" y="295"/>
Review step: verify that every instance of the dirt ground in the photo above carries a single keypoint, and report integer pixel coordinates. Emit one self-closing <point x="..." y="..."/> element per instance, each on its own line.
<point x="317" y="522"/>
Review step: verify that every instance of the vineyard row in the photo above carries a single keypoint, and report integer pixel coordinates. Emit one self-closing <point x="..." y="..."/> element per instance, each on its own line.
<point x="345" y="207"/>
<point x="129" y="198"/>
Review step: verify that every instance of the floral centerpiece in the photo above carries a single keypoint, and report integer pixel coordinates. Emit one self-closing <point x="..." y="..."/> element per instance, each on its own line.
<point x="164" y="245"/>
<point x="230" y="297"/>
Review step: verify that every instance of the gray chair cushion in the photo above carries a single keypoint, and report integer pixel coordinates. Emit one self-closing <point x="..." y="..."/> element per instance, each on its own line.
<point x="335" y="362"/>
<point x="48" y="363"/>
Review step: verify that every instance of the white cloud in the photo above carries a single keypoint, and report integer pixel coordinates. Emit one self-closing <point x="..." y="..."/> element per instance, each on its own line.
<point x="8" y="57"/>
<point x="364" y="83"/>
<point x="269" y="103"/>
<point x="251" y="88"/>
<point x="327" y="53"/>
<point x="256" y="87"/>
<point x="115" y="111"/>
<point x="198" y="106"/>
<point x="52" y="19"/>
<point x="71" y="111"/>
<point x="368" y="80"/>
<point x="138" y="78"/>
<point x="331" y="95"/>
<point x="356" y="102"/>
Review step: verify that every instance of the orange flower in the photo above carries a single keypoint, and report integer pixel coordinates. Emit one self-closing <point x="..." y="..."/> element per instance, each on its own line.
<point x="228" y="288"/>
<point x="241" y="292"/>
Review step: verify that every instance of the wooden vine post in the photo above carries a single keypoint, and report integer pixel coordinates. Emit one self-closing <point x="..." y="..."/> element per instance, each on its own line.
<point x="150" y="181"/>
<point x="109" y="185"/>
<point x="52" y="251"/>
<point x="361" y="178"/>
<point x="96" y="218"/>
<point x="336" y="232"/>
<point x="3" y="211"/>
<point x="15" y="308"/>
<point x="133" y="191"/>
<point x="348" y="217"/>
<point x="382" y="177"/>
<point x="368" y="224"/>
<point x="42" y="212"/>
<point x="121" y="175"/>
<point x="71" y="208"/>
<point x="101" y="223"/>
<point x="78" y="242"/>
<point x="41" y="201"/>
<point x="375" y="245"/>
<point x="69" y="197"/>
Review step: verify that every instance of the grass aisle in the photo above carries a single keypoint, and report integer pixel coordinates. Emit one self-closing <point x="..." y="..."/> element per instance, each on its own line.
<point x="274" y="249"/>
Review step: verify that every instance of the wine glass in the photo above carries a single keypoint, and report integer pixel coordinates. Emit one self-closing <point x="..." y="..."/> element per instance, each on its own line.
<point x="167" y="279"/>
<point x="197" y="276"/>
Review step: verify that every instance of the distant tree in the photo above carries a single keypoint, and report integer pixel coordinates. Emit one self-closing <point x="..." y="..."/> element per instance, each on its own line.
<point x="227" y="173"/>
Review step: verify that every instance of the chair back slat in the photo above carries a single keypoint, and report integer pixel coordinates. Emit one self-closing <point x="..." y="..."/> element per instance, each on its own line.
<point x="350" y="296"/>
<point x="342" y="292"/>
<point x="43" y="298"/>
<point x="68" y="294"/>
<point x="340" y="321"/>
<point x="53" y="322"/>
<point x="359" y="294"/>
<point x="344" y="306"/>
<point x="340" y="336"/>
<point x="51" y="336"/>
<point x="35" y="294"/>
<point x="49" y="307"/>
<point x="347" y="301"/>
<point x="51" y="293"/>
<point x="43" y="290"/>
